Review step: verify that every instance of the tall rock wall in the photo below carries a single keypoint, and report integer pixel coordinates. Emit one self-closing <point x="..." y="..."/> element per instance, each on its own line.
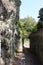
<point x="36" y="43"/>
<point x="9" y="34"/>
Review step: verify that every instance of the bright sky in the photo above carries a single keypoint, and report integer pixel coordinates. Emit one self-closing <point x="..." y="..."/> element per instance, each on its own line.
<point x="30" y="8"/>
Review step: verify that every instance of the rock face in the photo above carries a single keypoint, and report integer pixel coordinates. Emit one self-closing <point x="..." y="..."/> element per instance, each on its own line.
<point x="2" y="62"/>
<point x="36" y="43"/>
<point x="9" y="34"/>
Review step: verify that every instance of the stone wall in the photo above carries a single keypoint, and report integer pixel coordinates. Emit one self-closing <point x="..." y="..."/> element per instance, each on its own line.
<point x="36" y="43"/>
<point x="9" y="28"/>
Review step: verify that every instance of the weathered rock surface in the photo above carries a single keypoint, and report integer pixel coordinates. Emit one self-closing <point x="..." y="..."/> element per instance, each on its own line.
<point x="9" y="27"/>
<point x="36" y="43"/>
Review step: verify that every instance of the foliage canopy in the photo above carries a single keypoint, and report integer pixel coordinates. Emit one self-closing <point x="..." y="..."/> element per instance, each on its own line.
<point x="26" y="25"/>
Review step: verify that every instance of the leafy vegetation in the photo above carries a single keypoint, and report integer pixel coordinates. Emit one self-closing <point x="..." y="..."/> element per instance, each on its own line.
<point x="26" y="26"/>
